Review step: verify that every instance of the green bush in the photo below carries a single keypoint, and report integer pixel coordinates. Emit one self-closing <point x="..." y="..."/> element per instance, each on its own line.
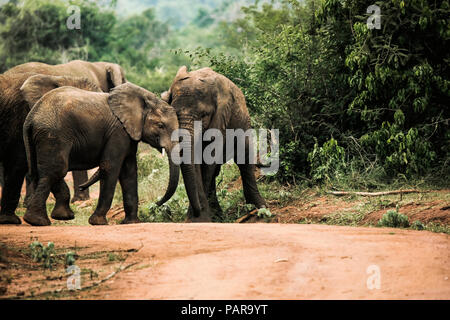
<point x="314" y="70"/>
<point x="393" y="219"/>
<point x="70" y="258"/>
<point x="417" y="225"/>
<point x="327" y="161"/>
<point x="44" y="254"/>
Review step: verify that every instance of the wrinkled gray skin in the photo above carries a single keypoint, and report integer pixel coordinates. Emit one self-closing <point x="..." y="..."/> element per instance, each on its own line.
<point x="211" y="98"/>
<point x="13" y="111"/>
<point x="76" y="129"/>
<point x="103" y="74"/>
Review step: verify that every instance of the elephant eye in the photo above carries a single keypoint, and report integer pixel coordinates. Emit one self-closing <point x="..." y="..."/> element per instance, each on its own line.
<point x="160" y="125"/>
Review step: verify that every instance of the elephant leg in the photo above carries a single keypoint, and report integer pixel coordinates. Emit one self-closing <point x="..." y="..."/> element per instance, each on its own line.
<point x="36" y="214"/>
<point x="205" y="215"/>
<point x="128" y="182"/>
<point x="109" y="174"/>
<point x="62" y="210"/>
<point x="251" y="192"/>
<point x="13" y="181"/>
<point x="79" y="177"/>
<point x="52" y="163"/>
<point x="30" y="187"/>
<point x="209" y="174"/>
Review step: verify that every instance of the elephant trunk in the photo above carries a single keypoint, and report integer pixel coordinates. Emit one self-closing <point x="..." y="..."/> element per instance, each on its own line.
<point x="188" y="170"/>
<point x="173" y="180"/>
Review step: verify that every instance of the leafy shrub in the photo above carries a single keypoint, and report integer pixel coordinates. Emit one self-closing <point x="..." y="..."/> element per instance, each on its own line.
<point x="172" y="211"/>
<point x="70" y="258"/>
<point x="326" y="161"/>
<point x="44" y="254"/>
<point x="264" y="213"/>
<point x="393" y="219"/>
<point x="417" y="225"/>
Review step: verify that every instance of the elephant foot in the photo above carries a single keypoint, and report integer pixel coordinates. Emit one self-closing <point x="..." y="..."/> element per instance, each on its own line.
<point x="97" y="220"/>
<point x="9" y="219"/>
<point x="36" y="219"/>
<point x="82" y="196"/>
<point x="62" y="213"/>
<point x="130" y="221"/>
<point x="216" y="212"/>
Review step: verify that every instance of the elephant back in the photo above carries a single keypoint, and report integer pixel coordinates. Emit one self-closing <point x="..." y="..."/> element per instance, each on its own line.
<point x="13" y="110"/>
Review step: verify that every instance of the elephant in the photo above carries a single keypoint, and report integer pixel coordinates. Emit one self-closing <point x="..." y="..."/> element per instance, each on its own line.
<point x="74" y="129"/>
<point x="105" y="75"/>
<point x="13" y="111"/>
<point x="211" y="98"/>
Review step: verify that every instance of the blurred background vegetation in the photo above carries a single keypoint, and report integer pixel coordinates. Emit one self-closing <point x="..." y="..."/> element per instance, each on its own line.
<point x="356" y="108"/>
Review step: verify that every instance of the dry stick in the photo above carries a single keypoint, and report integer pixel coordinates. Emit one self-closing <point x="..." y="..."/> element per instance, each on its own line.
<point x="120" y="269"/>
<point x="374" y="194"/>
<point x="247" y="216"/>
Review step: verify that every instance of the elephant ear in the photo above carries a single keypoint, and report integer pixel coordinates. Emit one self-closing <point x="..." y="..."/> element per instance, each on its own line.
<point x="128" y="103"/>
<point x="182" y="74"/>
<point x="35" y="87"/>
<point x="166" y="96"/>
<point x="114" y="75"/>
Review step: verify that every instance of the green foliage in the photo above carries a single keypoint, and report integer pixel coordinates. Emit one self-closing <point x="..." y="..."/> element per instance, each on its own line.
<point x="44" y="254"/>
<point x="417" y="225"/>
<point x="355" y="107"/>
<point x="264" y="213"/>
<point x="327" y="161"/>
<point x="70" y="258"/>
<point x="393" y="219"/>
<point x="400" y="77"/>
<point x="112" y="257"/>
<point x="314" y="70"/>
<point x="37" y="31"/>
<point x="344" y="219"/>
<point x="438" y="228"/>
<point x="172" y="211"/>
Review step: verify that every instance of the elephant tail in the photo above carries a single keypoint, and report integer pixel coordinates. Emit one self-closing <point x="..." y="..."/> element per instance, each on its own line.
<point x="30" y="150"/>
<point x="92" y="180"/>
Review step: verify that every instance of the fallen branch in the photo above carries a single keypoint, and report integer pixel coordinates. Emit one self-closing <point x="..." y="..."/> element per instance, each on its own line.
<point x="120" y="269"/>
<point x="373" y="194"/>
<point x="247" y="216"/>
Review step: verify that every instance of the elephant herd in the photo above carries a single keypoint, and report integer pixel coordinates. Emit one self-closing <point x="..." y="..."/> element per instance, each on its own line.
<point x="82" y="115"/>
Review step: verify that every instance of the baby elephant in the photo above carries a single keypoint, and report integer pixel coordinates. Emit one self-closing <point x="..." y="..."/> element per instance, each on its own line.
<point x="74" y="129"/>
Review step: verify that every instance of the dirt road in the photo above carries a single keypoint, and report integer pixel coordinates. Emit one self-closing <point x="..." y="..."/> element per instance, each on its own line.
<point x="252" y="261"/>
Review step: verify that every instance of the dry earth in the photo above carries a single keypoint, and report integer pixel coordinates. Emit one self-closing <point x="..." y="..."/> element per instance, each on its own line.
<point x="230" y="261"/>
<point x="240" y="261"/>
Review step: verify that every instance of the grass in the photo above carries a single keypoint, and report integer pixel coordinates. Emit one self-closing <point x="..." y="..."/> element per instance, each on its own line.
<point x="344" y="219"/>
<point x="112" y="257"/>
